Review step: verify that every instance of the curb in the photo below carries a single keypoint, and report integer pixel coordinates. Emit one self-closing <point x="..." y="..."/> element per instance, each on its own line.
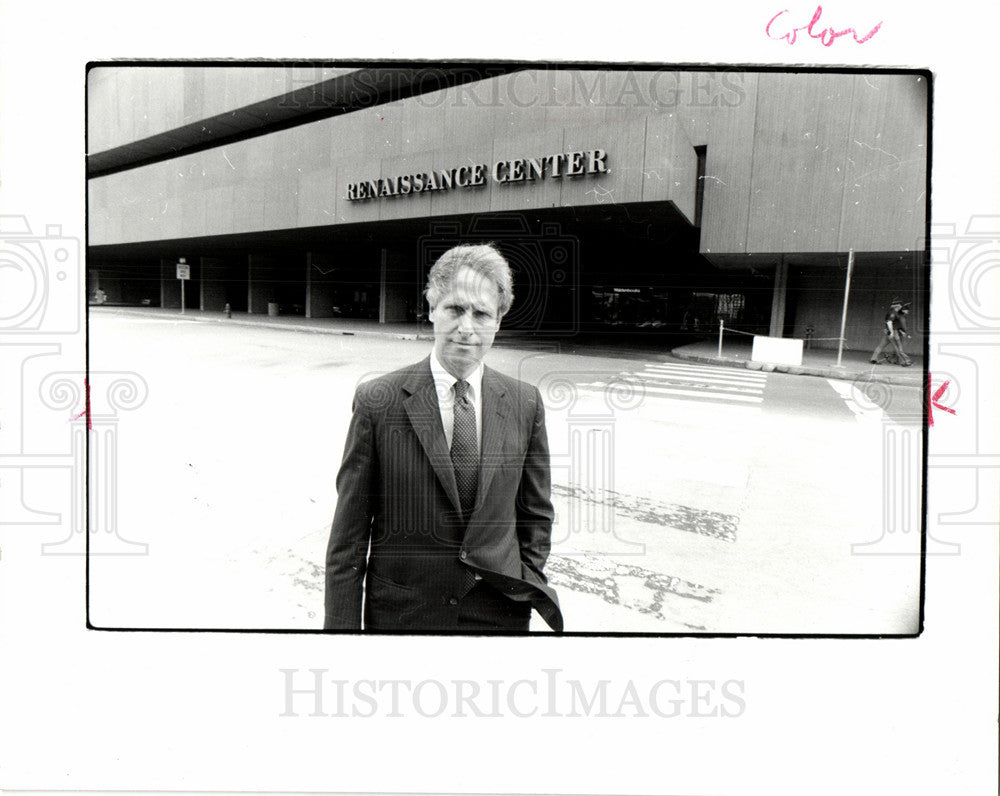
<point x="281" y="327"/>
<point x="287" y="327"/>
<point x="804" y="370"/>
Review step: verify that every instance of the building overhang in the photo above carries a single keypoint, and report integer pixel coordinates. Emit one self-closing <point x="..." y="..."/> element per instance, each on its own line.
<point x="354" y="90"/>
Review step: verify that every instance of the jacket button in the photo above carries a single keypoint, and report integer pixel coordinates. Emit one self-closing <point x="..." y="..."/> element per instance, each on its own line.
<point x="463" y="555"/>
<point x="453" y="601"/>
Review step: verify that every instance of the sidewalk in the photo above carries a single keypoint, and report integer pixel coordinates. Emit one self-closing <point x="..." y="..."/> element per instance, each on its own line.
<point x="815" y="362"/>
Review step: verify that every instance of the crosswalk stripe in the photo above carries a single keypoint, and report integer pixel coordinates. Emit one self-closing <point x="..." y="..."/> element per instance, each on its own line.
<point x="715" y="395"/>
<point x="689" y="384"/>
<point x="694" y="382"/>
<point x="655" y="389"/>
<point x="666" y="371"/>
<point x="726" y="373"/>
<point x="692" y="379"/>
<point x="692" y="385"/>
<point x="742" y="371"/>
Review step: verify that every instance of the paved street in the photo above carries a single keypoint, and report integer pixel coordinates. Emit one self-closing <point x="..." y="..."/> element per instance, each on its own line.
<point x="689" y="497"/>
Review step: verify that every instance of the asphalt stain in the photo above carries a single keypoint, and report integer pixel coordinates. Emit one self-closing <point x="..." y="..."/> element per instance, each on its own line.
<point x="713" y="524"/>
<point x="630" y="586"/>
<point x="331" y="364"/>
<point x="310" y="575"/>
<point x="626" y="585"/>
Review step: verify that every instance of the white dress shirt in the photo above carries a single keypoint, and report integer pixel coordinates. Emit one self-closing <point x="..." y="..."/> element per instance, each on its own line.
<point x="444" y="383"/>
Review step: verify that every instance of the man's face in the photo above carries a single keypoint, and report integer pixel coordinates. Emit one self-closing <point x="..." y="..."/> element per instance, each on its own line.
<point x="465" y="322"/>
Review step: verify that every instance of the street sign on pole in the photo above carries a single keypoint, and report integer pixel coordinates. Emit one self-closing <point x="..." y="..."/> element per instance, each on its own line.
<point x="184" y="274"/>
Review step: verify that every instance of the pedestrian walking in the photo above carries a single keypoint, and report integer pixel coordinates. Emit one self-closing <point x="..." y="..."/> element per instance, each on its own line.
<point x="895" y="330"/>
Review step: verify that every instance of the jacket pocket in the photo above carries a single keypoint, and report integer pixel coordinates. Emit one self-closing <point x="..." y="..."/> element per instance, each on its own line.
<point x="388" y="604"/>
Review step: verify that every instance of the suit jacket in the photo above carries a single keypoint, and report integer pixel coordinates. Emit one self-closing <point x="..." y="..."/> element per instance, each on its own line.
<point x="398" y="526"/>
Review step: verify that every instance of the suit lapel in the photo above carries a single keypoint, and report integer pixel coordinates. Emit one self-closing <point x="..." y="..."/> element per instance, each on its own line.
<point x="495" y="406"/>
<point x="424" y="413"/>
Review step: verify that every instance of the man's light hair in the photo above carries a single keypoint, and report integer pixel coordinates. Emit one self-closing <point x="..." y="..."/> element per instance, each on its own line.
<point x="485" y="259"/>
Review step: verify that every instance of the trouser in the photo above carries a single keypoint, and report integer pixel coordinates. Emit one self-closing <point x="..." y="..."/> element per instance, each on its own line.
<point x="893" y="340"/>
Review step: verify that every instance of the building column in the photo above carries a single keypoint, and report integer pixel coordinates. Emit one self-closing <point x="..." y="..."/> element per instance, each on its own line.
<point x="213" y="284"/>
<point x="260" y="283"/>
<point x="321" y="294"/>
<point x="170" y="287"/>
<point x="309" y="268"/>
<point x="393" y="283"/>
<point x="382" y="287"/>
<point x="778" y="299"/>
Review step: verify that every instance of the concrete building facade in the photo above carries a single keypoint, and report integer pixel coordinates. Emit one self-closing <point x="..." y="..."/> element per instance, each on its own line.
<point x="640" y="200"/>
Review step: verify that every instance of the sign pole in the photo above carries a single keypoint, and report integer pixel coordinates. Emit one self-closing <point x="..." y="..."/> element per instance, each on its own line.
<point x="183" y="274"/>
<point x="843" y="316"/>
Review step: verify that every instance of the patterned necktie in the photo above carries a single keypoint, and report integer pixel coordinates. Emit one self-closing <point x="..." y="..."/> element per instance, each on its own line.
<point x="465" y="448"/>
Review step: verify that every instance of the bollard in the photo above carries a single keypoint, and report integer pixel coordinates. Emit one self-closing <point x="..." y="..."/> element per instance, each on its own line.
<point x="721" y="322"/>
<point x="228" y="310"/>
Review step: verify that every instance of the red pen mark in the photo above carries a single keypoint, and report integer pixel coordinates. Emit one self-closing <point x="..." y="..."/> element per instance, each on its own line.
<point x="86" y="410"/>
<point x="934" y="401"/>
<point x="827" y="36"/>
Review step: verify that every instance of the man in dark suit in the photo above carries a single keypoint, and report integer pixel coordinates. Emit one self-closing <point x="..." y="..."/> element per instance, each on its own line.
<point x="443" y="511"/>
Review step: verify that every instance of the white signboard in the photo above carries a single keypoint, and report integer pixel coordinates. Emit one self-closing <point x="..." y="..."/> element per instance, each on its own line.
<point x="778" y="350"/>
<point x="183" y="270"/>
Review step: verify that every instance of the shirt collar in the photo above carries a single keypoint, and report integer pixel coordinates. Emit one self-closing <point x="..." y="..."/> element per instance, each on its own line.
<point x="444" y="381"/>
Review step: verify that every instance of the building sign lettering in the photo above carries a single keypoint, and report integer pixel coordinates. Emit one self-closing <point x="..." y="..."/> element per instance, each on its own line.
<point x="564" y="164"/>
